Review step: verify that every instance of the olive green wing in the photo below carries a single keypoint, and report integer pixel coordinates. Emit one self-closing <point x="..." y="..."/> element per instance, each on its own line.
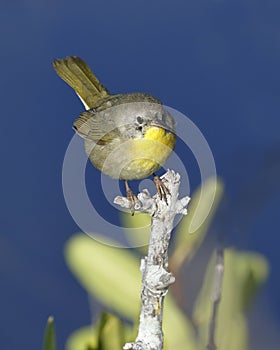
<point x="76" y="73"/>
<point x="91" y="126"/>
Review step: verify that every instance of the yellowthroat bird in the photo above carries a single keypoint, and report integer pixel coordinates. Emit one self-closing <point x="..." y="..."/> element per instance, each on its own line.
<point x="127" y="136"/>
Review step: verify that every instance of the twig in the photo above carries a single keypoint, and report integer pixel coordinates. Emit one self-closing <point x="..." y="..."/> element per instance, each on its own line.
<point x="155" y="276"/>
<point x="216" y="297"/>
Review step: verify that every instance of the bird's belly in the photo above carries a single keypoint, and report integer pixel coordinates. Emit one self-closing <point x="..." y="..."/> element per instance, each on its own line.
<point x="133" y="159"/>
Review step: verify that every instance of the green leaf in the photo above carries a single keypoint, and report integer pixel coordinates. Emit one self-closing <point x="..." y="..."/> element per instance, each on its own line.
<point x="244" y="272"/>
<point x="111" y="274"/>
<point x="186" y="242"/>
<point x="137" y="229"/>
<point x="178" y="330"/>
<point x="108" y="333"/>
<point x="111" y="333"/>
<point x="252" y="270"/>
<point x="49" y="337"/>
<point x="84" y="338"/>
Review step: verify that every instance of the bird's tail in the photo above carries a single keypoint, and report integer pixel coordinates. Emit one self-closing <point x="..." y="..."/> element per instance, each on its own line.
<point x="76" y="73"/>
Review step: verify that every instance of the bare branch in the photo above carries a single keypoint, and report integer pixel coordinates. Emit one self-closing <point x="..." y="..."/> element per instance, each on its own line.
<point x="216" y="297"/>
<point x="155" y="276"/>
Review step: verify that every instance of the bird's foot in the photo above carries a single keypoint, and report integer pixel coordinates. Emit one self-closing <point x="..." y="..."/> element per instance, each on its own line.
<point x="162" y="190"/>
<point x="131" y="198"/>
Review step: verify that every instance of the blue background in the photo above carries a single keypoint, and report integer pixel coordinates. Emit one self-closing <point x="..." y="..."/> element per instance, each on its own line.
<point x="216" y="61"/>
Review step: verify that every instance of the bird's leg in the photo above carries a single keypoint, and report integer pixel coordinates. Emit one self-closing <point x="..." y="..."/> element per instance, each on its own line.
<point x="131" y="197"/>
<point x="162" y="190"/>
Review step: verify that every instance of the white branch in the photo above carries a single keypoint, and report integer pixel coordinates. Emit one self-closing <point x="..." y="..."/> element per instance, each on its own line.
<point x="155" y="276"/>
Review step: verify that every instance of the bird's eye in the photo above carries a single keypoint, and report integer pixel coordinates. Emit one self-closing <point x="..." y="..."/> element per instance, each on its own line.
<point x="139" y="120"/>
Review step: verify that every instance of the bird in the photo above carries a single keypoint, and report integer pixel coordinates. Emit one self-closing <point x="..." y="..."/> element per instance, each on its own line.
<point x="127" y="136"/>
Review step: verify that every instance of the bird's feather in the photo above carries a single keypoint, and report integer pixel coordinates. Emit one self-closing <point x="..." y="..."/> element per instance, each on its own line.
<point x="76" y="73"/>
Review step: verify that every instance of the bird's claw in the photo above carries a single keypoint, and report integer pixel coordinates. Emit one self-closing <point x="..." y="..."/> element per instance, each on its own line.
<point x="162" y="190"/>
<point x="132" y="200"/>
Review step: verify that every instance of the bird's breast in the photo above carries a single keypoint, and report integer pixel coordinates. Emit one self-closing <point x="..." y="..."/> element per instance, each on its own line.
<point x="135" y="158"/>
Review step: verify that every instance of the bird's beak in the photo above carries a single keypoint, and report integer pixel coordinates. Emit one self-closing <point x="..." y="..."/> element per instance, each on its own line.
<point x="161" y="124"/>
